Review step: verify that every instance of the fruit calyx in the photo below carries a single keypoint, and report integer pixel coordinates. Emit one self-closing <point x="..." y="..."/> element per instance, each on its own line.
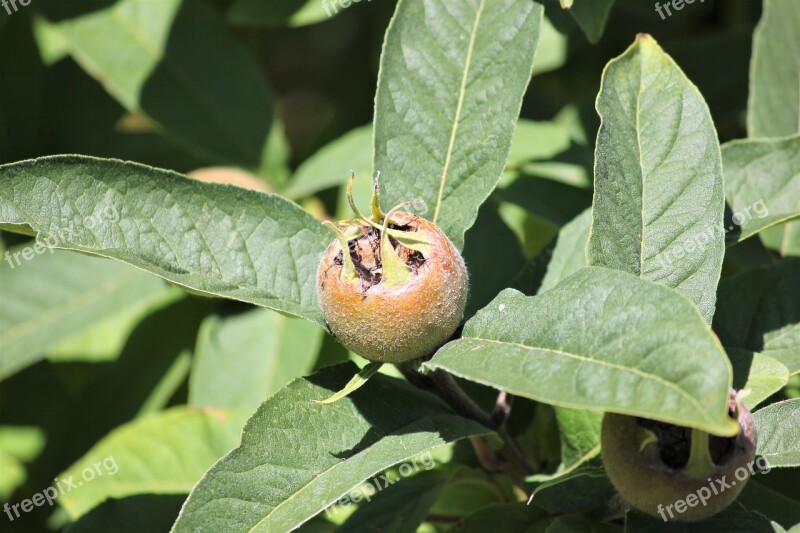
<point x="385" y="248"/>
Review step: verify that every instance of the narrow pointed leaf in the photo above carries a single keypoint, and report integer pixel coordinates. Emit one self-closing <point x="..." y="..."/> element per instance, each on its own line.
<point x="762" y="183"/>
<point x="297" y="458"/>
<point x="602" y="339"/>
<point x="451" y="82"/>
<point x="658" y="206"/>
<point x="216" y="239"/>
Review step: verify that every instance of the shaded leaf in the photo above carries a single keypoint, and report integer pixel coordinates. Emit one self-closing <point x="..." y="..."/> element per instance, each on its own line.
<point x="296" y="457"/>
<point x="584" y="489"/>
<point x="506" y="517"/>
<point x="399" y="508"/>
<point x="759" y="310"/>
<point x="160" y="63"/>
<point x="50" y="297"/>
<point x="734" y="518"/>
<point x="284" y="13"/>
<point x="216" y="239"/>
<point x="657" y="153"/>
<point x="135" y="514"/>
<point x="450" y="87"/>
<point x="605" y="340"/>
<point x="332" y="164"/>
<point x="591" y="16"/>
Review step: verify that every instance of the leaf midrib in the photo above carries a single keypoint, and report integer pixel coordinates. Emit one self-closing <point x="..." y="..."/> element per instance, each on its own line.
<point x="459" y="108"/>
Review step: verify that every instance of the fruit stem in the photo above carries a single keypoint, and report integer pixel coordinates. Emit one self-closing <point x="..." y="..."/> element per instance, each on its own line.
<point x="700" y="463"/>
<point x="443" y="385"/>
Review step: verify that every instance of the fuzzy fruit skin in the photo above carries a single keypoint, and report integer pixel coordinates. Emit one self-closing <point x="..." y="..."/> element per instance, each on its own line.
<point x="645" y="482"/>
<point x="396" y="325"/>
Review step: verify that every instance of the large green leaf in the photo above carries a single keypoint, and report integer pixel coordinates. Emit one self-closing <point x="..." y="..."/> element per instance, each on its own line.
<point x="163" y="453"/>
<point x="216" y="239"/>
<point x="762" y="182"/>
<point x="759" y="310"/>
<point x="774" y="106"/>
<point x="779" y="433"/>
<point x="50" y="297"/>
<point x="658" y="206"/>
<point x="604" y="340"/>
<point x="298" y="457"/>
<point x="243" y="359"/>
<point x="452" y="77"/>
<point x="175" y="61"/>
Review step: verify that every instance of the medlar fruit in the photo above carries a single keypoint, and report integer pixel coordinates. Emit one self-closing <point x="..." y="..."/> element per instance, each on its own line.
<point x="392" y="287"/>
<point x="674" y="472"/>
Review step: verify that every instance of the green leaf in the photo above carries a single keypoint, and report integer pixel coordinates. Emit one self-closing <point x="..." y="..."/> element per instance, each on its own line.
<point x="581" y="490"/>
<point x="241" y="360"/>
<point x="784" y="239"/>
<point x="762" y="183"/>
<point x="580" y="436"/>
<point x="399" y="508"/>
<point x="780" y="505"/>
<point x="591" y="16"/>
<point x="163" y="453"/>
<point x="48" y="296"/>
<point x="536" y="141"/>
<point x="759" y="310"/>
<point x="734" y="518"/>
<point x="657" y="155"/>
<point x="291" y="13"/>
<point x="603" y="340"/>
<point x="506" y="517"/>
<point x="135" y="514"/>
<point x="567" y="524"/>
<point x="774" y="106"/>
<point x="569" y="255"/>
<point x="155" y="67"/>
<point x="217" y="239"/>
<point x="331" y="165"/>
<point x="773" y="109"/>
<point x="297" y="457"/>
<point x="779" y="433"/>
<point x="761" y="374"/>
<point x="450" y="87"/>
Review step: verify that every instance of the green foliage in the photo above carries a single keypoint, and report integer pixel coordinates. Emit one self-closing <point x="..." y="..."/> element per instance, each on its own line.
<point x="627" y="213"/>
